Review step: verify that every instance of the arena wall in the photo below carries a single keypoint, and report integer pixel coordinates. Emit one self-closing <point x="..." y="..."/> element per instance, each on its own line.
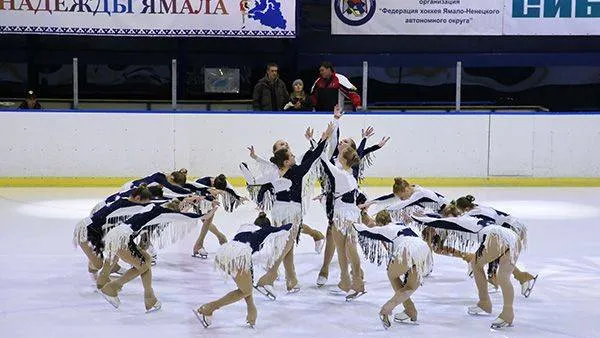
<point x="100" y="144"/>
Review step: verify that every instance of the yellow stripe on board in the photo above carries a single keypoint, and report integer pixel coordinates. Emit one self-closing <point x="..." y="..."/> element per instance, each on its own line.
<point x="489" y="181"/>
<point x="370" y="181"/>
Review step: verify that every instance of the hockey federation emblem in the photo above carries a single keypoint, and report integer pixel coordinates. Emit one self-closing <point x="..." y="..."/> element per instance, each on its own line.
<point x="354" y="12"/>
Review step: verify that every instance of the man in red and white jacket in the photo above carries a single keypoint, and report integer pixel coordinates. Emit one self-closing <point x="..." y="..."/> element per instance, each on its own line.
<point x="324" y="93"/>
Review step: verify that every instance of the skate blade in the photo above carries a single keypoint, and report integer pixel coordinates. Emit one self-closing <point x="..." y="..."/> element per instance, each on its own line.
<point x="114" y="301"/>
<point x="197" y="255"/>
<point x="477" y="313"/>
<point x="155" y="308"/>
<point x="292" y="291"/>
<point x="385" y="321"/>
<point x="202" y="318"/>
<point x="265" y="292"/>
<point x="337" y="292"/>
<point x="319" y="247"/>
<point x="406" y="321"/>
<point x="500" y="326"/>
<point x="355" y="295"/>
<point x="527" y="292"/>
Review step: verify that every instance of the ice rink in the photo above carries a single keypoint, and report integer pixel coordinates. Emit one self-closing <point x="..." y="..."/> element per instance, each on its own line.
<point x="45" y="289"/>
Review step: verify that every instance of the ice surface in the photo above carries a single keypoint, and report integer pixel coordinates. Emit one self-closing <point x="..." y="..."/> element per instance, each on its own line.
<point x="45" y="290"/>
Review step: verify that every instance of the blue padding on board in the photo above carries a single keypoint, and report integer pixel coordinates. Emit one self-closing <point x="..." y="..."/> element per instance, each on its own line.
<point x="362" y="113"/>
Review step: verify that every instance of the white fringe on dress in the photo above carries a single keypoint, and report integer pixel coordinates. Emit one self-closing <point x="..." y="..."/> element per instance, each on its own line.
<point x="374" y="250"/>
<point x="272" y="248"/>
<point x="267" y="202"/>
<point x="233" y="257"/>
<point x="508" y="240"/>
<point x="286" y="212"/>
<point x="116" y="239"/>
<point x="230" y="202"/>
<point x="253" y="190"/>
<point x="97" y="207"/>
<point x="308" y="184"/>
<point x="171" y="232"/>
<point x="404" y="214"/>
<point x="80" y="232"/>
<point x="365" y="162"/>
<point x="345" y="215"/>
<point x="204" y="206"/>
<point x="459" y="240"/>
<point x="413" y="251"/>
<point x="520" y="229"/>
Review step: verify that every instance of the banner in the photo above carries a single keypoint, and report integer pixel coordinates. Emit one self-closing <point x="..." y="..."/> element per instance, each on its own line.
<point x="552" y="17"/>
<point x="417" y="17"/>
<point x="192" y="18"/>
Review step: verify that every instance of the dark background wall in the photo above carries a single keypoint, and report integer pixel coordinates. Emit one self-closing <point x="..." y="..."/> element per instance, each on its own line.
<point x="561" y="73"/>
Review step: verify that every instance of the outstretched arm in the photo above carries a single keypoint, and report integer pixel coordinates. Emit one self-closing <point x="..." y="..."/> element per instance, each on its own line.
<point x="312" y="155"/>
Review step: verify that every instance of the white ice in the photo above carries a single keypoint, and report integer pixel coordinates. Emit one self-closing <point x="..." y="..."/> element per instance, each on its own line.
<point x="45" y="290"/>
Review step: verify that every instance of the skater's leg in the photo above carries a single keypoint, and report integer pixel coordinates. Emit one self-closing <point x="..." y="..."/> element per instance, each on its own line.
<point x="103" y="276"/>
<point x="328" y="254"/>
<point x="522" y="276"/>
<point x="357" y="278"/>
<point x="271" y="275"/>
<point x="95" y="261"/>
<point x="220" y="237"/>
<point x="340" y="244"/>
<point x="244" y="283"/>
<point x="315" y="234"/>
<point x="401" y="291"/>
<point x="291" y="279"/>
<point x="485" y="255"/>
<point x="505" y="270"/>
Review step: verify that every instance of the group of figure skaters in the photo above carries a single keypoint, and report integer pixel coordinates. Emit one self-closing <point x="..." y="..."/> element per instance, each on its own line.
<point x="400" y="231"/>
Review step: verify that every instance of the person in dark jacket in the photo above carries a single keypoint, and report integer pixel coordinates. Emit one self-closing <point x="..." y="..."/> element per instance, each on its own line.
<point x="324" y="92"/>
<point x="30" y="101"/>
<point x="299" y="101"/>
<point x="270" y="92"/>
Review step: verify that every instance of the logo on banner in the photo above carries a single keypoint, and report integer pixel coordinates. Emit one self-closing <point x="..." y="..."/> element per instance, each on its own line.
<point x="267" y="12"/>
<point x="354" y="12"/>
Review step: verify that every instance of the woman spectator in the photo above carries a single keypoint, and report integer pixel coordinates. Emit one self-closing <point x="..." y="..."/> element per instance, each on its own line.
<point x="299" y="101"/>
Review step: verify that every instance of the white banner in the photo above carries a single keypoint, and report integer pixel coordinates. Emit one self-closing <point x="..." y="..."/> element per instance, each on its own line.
<point x="552" y="17"/>
<point x="417" y="17"/>
<point x="201" y="18"/>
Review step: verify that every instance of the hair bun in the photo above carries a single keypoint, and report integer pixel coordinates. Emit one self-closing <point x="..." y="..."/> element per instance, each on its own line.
<point x="398" y="180"/>
<point x="470" y="198"/>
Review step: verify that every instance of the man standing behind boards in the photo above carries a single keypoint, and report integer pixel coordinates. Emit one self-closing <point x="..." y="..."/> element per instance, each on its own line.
<point x="324" y="93"/>
<point x="270" y="92"/>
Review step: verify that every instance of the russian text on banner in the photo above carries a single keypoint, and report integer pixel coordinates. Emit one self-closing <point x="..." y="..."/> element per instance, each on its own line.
<point x="206" y="18"/>
<point x="417" y="17"/>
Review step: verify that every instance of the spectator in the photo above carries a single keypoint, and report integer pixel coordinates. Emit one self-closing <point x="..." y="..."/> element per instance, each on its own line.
<point x="324" y="93"/>
<point x="30" y="101"/>
<point x="299" y="101"/>
<point x="270" y="92"/>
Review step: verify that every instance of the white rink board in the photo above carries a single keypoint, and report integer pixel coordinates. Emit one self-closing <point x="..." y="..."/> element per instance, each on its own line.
<point x="453" y="145"/>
